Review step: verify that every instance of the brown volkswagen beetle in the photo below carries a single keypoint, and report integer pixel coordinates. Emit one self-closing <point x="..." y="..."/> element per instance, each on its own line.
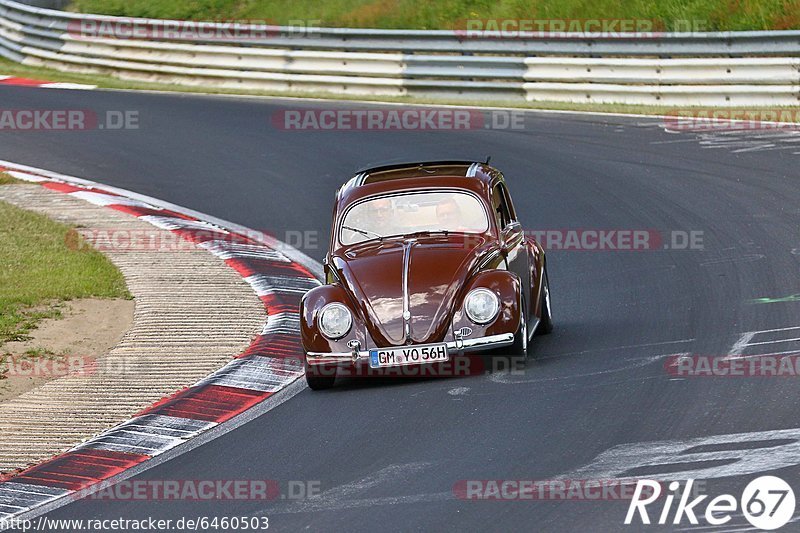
<point x="427" y="261"/>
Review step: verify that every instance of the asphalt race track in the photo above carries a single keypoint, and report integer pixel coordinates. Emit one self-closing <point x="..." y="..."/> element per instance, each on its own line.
<point x="387" y="454"/>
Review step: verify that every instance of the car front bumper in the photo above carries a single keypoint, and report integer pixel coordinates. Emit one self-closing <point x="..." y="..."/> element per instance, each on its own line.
<point x="453" y="348"/>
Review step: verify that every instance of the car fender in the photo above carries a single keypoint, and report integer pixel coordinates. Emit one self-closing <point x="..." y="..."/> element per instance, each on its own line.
<point x="537" y="262"/>
<point x="508" y="287"/>
<point x="310" y="307"/>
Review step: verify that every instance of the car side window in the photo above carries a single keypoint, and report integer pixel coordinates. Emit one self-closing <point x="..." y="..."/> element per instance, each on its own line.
<point x="500" y="205"/>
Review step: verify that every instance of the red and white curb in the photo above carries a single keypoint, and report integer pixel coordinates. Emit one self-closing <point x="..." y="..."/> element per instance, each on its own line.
<point x="26" y="82"/>
<point x="280" y="275"/>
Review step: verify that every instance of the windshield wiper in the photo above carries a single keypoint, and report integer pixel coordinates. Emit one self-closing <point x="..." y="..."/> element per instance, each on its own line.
<point x="428" y="232"/>
<point x="364" y="232"/>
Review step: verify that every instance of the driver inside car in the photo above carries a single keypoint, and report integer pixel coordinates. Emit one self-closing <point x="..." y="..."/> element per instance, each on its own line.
<point x="380" y="216"/>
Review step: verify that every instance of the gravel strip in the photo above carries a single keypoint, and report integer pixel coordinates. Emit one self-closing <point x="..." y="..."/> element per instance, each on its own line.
<point x="193" y="314"/>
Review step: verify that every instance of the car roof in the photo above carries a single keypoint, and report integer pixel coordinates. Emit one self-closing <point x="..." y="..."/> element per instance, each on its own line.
<point x="471" y="175"/>
<point x="463" y="168"/>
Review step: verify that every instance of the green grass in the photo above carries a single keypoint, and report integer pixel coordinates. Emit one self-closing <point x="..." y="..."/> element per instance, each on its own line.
<point x="32" y="353"/>
<point x="39" y="353"/>
<point x="5" y="179"/>
<point x="38" y="271"/>
<point x="449" y="14"/>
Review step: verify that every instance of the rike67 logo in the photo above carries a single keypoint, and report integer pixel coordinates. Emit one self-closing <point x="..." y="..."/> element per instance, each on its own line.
<point x="767" y="503"/>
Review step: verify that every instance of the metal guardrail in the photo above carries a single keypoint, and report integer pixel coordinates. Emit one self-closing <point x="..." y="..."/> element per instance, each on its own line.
<point x="415" y="41"/>
<point x="668" y="69"/>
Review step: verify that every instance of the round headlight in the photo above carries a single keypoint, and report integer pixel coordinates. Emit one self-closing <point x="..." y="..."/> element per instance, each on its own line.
<point x="482" y="306"/>
<point x="335" y="321"/>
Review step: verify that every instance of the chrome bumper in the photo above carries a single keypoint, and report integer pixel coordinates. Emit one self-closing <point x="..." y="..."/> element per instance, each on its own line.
<point x="453" y="348"/>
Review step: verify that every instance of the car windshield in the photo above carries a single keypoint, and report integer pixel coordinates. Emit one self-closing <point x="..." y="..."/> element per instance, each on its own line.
<point x="418" y="212"/>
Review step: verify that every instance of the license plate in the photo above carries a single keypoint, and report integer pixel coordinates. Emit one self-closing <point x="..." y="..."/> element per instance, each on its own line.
<point x="407" y="355"/>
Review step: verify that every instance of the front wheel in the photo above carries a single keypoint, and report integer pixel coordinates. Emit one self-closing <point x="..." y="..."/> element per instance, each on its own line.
<point x="546" y="322"/>
<point x="320" y="377"/>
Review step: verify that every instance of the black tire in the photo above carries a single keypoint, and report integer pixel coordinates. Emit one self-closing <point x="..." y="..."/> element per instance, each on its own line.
<point x="546" y="322"/>
<point x="320" y="377"/>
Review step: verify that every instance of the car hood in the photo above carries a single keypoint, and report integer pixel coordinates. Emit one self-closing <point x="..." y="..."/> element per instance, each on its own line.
<point x="438" y="268"/>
